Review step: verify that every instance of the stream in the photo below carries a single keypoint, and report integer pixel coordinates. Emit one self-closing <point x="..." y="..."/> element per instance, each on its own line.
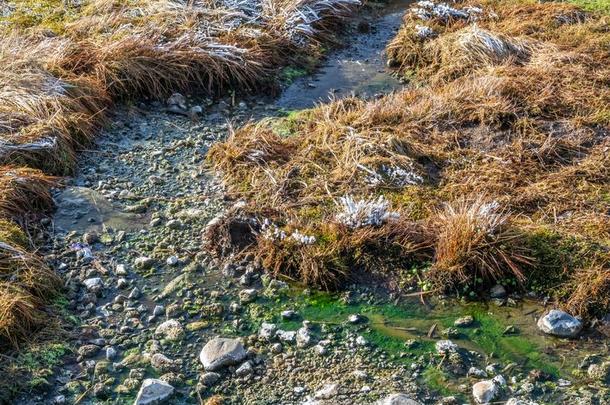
<point x="127" y="239"/>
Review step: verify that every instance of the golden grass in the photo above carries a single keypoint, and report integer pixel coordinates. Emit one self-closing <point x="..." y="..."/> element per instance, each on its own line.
<point x="475" y="242"/>
<point x="510" y="111"/>
<point x="26" y="282"/>
<point x="589" y="289"/>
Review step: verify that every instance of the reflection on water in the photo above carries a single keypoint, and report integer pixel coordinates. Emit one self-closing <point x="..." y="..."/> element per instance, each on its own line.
<point x="83" y="210"/>
<point x="360" y="69"/>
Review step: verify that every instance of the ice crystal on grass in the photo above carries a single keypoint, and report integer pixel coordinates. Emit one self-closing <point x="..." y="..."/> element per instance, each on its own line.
<point x="423" y="32"/>
<point x="370" y="212"/>
<point x="392" y="175"/>
<point x="271" y="231"/>
<point x="300" y="20"/>
<point x="303" y="239"/>
<point x="427" y="10"/>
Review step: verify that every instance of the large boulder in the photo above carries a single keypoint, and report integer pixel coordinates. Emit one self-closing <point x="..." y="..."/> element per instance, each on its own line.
<point x="559" y="323"/>
<point x="153" y="392"/>
<point x="222" y="352"/>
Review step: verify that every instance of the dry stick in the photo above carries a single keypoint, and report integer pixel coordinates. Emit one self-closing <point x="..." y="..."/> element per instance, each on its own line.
<point x="431" y="331"/>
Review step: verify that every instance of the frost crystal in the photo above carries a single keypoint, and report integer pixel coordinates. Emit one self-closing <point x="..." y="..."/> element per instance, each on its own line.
<point x="423" y="32"/>
<point x="303" y="239"/>
<point x="302" y="17"/>
<point x="426" y="10"/>
<point x="394" y="175"/>
<point x="361" y="213"/>
<point x="271" y="231"/>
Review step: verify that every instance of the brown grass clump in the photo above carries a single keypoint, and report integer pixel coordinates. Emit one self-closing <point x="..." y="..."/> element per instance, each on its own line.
<point x="506" y="104"/>
<point x="474" y="241"/>
<point x="26" y="282"/>
<point x="589" y="289"/>
<point x="23" y="191"/>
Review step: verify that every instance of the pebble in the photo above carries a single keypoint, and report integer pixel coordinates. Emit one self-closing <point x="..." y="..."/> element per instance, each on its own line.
<point x="248" y="295"/>
<point x="134" y="293"/>
<point x="172" y="260"/>
<point x="267" y="331"/>
<point x="93" y="284"/>
<point x="464" y="321"/>
<point x="153" y="392"/>
<point x="221" y="352"/>
<point x="244" y="370"/>
<point x="171" y="330"/>
<point x="484" y="391"/>
<point x="289" y="314"/>
<point x="559" y="323"/>
<point x="158" y="310"/>
<point x="209" y="378"/>
<point x="144" y="262"/>
<point x="110" y="353"/>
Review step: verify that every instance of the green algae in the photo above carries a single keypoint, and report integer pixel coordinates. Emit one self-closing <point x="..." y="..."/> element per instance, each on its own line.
<point x="390" y="326"/>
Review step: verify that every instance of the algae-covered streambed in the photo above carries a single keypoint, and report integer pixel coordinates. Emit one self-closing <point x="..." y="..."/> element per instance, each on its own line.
<point x="406" y="331"/>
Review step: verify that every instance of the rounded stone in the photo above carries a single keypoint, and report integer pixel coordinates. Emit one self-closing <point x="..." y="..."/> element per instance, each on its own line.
<point x="221" y="352"/>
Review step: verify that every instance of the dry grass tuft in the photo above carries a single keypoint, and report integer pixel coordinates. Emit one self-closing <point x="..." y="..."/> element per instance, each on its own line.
<point x="475" y="241"/>
<point x="589" y="289"/>
<point x="26" y="282"/>
<point x="23" y="191"/>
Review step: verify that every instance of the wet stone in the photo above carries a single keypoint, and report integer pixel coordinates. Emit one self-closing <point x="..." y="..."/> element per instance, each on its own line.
<point x="221" y="352"/>
<point x="484" y="391"/>
<point x="559" y="323"/>
<point x="154" y="392"/>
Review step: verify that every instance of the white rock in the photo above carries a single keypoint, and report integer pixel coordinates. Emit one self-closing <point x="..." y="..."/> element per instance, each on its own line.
<point x="398" y="399"/>
<point x="170" y="330"/>
<point x="559" y="323"/>
<point x="245" y="369"/>
<point x="221" y="352"/>
<point x="154" y="391"/>
<point x="267" y="331"/>
<point x="93" y="284"/>
<point x="120" y="270"/>
<point x="303" y="337"/>
<point x="484" y="391"/>
<point x="286" y="336"/>
<point x="159" y="361"/>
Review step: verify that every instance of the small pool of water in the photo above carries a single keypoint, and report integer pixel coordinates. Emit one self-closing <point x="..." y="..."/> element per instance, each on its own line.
<point x="83" y="209"/>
